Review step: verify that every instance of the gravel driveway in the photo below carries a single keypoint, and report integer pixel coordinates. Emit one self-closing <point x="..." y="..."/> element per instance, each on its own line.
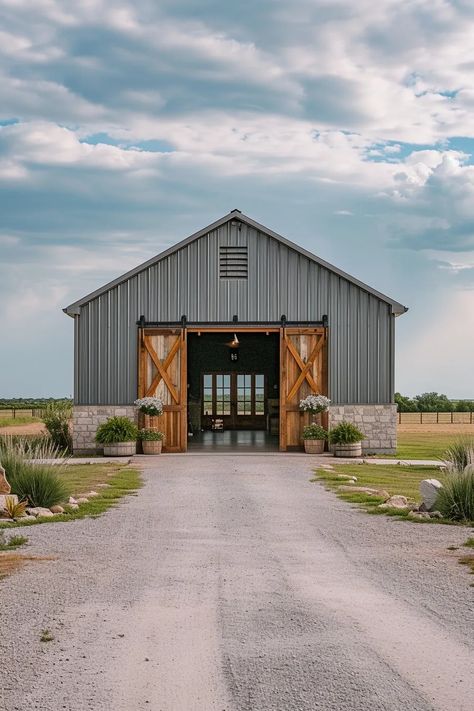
<point x="232" y="583"/>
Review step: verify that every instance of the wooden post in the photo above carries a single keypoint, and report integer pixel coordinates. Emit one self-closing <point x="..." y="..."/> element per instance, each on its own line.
<point x="283" y="370"/>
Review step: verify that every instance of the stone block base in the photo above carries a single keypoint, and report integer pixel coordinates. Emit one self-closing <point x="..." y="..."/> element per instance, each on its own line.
<point x="377" y="422"/>
<point x="86" y="419"/>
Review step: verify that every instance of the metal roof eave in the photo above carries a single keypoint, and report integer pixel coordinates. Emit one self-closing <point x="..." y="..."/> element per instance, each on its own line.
<point x="74" y="308"/>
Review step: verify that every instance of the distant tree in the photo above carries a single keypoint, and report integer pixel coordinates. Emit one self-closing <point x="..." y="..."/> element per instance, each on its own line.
<point x="405" y="403"/>
<point x="433" y="402"/>
<point x="465" y="406"/>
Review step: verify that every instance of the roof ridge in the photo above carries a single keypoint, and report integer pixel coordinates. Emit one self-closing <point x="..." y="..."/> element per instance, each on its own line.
<point x="74" y="308"/>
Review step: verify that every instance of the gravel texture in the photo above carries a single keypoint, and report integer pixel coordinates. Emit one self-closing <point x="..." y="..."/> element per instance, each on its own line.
<point x="232" y="583"/>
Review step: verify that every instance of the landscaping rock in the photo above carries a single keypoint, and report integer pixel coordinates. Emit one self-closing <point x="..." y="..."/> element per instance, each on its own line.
<point x="82" y="500"/>
<point x="347" y="477"/>
<point x="357" y="489"/>
<point x="39" y="511"/>
<point x="436" y="514"/>
<point x="429" y="490"/>
<point x="418" y="515"/>
<point x="5" y="487"/>
<point x="73" y="506"/>
<point x="92" y="493"/>
<point x="72" y="500"/>
<point x="56" y="509"/>
<point x="397" y="502"/>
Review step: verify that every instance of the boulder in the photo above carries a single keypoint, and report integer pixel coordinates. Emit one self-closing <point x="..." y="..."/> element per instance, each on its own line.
<point x="397" y="502"/>
<point x="39" y="511"/>
<point x="429" y="490"/>
<point x="56" y="509"/>
<point x="5" y="487"/>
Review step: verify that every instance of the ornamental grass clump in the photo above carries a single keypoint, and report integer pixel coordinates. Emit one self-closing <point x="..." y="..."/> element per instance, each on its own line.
<point x="32" y="481"/>
<point x="116" y="429"/>
<point x="456" y="498"/>
<point x="345" y="433"/>
<point x="152" y="406"/>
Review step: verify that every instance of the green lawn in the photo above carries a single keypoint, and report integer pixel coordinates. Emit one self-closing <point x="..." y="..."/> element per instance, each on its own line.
<point x="392" y="477"/>
<point x="19" y="420"/>
<point x="424" y="445"/>
<point x="82" y="478"/>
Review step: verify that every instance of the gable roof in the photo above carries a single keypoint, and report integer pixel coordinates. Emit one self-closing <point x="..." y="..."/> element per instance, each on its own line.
<point x="74" y="308"/>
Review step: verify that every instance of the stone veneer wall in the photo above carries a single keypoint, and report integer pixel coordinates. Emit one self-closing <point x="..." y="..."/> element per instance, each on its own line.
<point x="377" y="422"/>
<point x="86" y="419"/>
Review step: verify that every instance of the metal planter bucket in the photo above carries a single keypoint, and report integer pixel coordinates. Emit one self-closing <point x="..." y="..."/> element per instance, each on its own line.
<point x="348" y="450"/>
<point x="120" y="449"/>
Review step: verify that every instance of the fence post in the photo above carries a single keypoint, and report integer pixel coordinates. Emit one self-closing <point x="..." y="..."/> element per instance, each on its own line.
<point x="14" y="413"/>
<point x="452" y="417"/>
<point x="421" y="418"/>
<point x="437" y="417"/>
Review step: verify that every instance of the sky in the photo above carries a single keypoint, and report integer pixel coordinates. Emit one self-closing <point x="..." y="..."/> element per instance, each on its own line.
<point x="346" y="127"/>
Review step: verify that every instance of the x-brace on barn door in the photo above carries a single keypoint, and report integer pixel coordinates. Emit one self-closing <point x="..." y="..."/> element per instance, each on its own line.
<point x="162" y="373"/>
<point x="303" y="371"/>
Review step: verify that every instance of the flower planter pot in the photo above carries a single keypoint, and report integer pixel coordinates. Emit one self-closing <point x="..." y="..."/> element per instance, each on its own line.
<point x="120" y="449"/>
<point x="152" y="446"/>
<point x="314" y="446"/>
<point x="348" y="450"/>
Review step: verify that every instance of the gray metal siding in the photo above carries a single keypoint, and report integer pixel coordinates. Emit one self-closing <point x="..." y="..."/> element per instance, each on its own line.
<point x="280" y="281"/>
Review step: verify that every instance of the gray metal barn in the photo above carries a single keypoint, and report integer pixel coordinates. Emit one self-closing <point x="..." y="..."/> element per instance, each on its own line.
<point x="234" y="325"/>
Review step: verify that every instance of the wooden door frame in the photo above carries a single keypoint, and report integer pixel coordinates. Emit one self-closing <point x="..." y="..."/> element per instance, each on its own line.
<point x="180" y="399"/>
<point x="304" y="375"/>
<point x="231" y="420"/>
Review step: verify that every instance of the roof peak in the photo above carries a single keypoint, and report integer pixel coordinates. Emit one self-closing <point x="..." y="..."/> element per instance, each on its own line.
<point x="74" y="308"/>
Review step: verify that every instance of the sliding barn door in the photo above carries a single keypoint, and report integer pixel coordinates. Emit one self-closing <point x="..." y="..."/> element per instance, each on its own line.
<point x="162" y="373"/>
<point x="303" y="371"/>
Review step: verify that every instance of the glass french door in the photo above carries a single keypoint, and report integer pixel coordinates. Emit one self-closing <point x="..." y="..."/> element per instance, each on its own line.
<point x="238" y="399"/>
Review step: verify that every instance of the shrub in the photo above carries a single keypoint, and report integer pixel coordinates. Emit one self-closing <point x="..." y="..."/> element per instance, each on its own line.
<point x="147" y="435"/>
<point x="116" y="429"/>
<point x="314" y="432"/>
<point x="456" y="498"/>
<point x="56" y="418"/>
<point x="345" y="433"/>
<point x="14" y="509"/>
<point x="460" y="453"/>
<point x="40" y="484"/>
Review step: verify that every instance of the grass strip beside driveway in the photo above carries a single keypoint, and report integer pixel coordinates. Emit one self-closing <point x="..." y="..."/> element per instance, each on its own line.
<point x="119" y="479"/>
<point x="393" y="478"/>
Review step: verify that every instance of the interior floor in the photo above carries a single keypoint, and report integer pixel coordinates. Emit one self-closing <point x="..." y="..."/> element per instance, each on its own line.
<point x="232" y="440"/>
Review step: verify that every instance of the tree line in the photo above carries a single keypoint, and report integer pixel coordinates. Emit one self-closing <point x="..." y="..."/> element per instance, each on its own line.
<point x="432" y="402"/>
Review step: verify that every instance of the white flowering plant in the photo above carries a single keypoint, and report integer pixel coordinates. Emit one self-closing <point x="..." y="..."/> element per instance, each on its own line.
<point x="315" y="403"/>
<point x="150" y="406"/>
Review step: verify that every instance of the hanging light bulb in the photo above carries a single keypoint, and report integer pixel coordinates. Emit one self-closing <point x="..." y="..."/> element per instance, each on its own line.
<point x="235" y="342"/>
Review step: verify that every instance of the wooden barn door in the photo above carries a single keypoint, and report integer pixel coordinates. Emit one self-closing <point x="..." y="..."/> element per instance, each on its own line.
<point x="303" y="371"/>
<point x="162" y="373"/>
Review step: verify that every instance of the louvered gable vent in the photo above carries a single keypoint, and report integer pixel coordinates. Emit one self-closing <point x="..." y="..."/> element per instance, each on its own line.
<point x="233" y="262"/>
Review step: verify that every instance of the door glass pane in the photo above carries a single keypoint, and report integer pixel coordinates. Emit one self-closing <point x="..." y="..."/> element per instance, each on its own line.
<point x="259" y="394"/>
<point x="207" y="381"/>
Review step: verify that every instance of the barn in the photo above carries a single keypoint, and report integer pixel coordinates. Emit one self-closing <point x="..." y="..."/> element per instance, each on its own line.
<point x="231" y="327"/>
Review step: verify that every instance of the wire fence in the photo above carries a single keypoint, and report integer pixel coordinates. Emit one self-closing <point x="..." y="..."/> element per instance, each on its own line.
<point x="15" y="412"/>
<point x="435" y="418"/>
